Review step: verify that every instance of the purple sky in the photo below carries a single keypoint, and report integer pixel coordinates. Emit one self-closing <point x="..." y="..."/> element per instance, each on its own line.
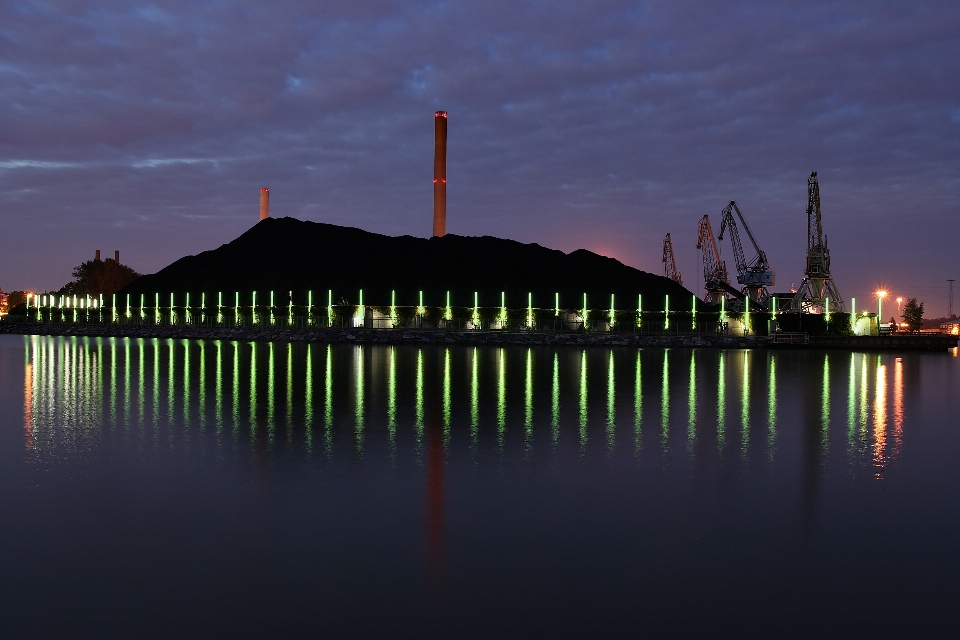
<point x="150" y="128"/>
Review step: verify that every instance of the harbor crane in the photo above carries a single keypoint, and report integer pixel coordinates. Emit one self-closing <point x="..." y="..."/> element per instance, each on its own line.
<point x="669" y="264"/>
<point x="817" y="293"/>
<point x="715" y="279"/>
<point x="756" y="275"/>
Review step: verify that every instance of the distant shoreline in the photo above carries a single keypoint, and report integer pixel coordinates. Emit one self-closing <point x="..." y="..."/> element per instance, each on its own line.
<point x="924" y="342"/>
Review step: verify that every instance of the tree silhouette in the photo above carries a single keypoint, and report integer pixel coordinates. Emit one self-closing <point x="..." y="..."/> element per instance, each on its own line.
<point x="913" y="314"/>
<point x="95" y="277"/>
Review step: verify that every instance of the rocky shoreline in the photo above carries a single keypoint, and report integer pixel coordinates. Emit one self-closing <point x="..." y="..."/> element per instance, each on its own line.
<point x="380" y="336"/>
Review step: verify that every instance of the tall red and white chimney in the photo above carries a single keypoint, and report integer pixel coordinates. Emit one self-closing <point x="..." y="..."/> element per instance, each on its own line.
<point x="264" y="203"/>
<point x="440" y="173"/>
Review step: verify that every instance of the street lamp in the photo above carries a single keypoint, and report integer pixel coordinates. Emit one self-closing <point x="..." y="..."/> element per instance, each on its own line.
<point x="899" y="300"/>
<point x="881" y="294"/>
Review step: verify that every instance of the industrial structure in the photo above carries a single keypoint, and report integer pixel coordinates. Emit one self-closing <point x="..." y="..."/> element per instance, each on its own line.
<point x="715" y="278"/>
<point x="440" y="173"/>
<point x="817" y="293"/>
<point x="116" y="256"/>
<point x="669" y="264"/>
<point x="950" y="300"/>
<point x="264" y="203"/>
<point x="756" y="275"/>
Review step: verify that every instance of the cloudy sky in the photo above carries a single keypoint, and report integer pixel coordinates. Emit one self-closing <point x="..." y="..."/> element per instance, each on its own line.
<point x="150" y="128"/>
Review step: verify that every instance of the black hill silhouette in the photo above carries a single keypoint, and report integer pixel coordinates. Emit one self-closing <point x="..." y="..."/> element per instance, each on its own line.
<point x="286" y="254"/>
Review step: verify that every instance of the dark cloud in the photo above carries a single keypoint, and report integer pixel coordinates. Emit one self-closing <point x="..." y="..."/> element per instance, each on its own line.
<point x="150" y="127"/>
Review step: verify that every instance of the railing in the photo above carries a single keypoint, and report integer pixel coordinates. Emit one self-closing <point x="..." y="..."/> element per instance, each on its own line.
<point x="491" y="320"/>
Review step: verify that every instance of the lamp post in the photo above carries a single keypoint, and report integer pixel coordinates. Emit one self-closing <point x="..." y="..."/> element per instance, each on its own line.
<point x="880" y="296"/>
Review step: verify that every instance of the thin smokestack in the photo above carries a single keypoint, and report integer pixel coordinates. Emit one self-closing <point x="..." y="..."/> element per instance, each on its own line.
<point x="116" y="256"/>
<point x="440" y="173"/>
<point x="98" y="256"/>
<point x="264" y="203"/>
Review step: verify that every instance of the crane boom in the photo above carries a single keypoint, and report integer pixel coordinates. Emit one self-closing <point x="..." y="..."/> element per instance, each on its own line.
<point x="755" y="275"/>
<point x="669" y="264"/>
<point x="715" y="279"/>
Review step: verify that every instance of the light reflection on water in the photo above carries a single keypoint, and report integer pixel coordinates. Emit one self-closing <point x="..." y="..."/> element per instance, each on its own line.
<point x="490" y="481"/>
<point x="144" y="392"/>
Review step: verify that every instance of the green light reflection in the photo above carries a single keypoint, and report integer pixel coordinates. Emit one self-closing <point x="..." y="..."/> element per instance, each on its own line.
<point x="611" y="399"/>
<point x="202" y="388"/>
<point x="392" y="399"/>
<point x="418" y="419"/>
<point x="328" y="401"/>
<point x="289" y="411"/>
<point x="358" y="408"/>
<point x="271" y="395"/>
<point x="253" y="392"/>
<point x="583" y="400"/>
<point x="555" y="400"/>
<point x="692" y="405"/>
<point x="771" y="406"/>
<point x="474" y="398"/>
<point x="852" y="407"/>
<point x="218" y="406"/>
<point x="665" y="404"/>
<point x="825" y="406"/>
<point x="235" y="400"/>
<point x="722" y="404"/>
<point x="501" y="396"/>
<point x="745" y="407"/>
<point x="446" y="391"/>
<point x="528" y="402"/>
<point x="638" y="406"/>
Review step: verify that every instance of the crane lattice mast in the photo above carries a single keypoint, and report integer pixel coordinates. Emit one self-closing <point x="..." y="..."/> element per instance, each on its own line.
<point x="817" y="291"/>
<point x="756" y="275"/>
<point x="715" y="278"/>
<point x="669" y="264"/>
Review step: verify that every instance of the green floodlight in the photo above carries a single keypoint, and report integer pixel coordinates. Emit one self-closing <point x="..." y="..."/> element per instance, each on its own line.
<point x="530" y="310"/>
<point x="827" y="308"/>
<point x="612" y="313"/>
<point x="448" y="314"/>
<point x="556" y="304"/>
<point x="584" y="310"/>
<point x="853" y="314"/>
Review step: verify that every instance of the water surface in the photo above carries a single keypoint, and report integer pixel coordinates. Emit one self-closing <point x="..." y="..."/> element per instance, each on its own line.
<point x="161" y="488"/>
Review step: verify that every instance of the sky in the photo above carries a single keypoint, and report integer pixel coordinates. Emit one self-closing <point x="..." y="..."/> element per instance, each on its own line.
<point x="149" y="128"/>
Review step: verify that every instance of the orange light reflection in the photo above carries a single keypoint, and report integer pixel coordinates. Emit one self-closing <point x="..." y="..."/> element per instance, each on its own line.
<point x="880" y="421"/>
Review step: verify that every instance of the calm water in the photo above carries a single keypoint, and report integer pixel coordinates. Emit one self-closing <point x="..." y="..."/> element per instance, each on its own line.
<point x="167" y="488"/>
